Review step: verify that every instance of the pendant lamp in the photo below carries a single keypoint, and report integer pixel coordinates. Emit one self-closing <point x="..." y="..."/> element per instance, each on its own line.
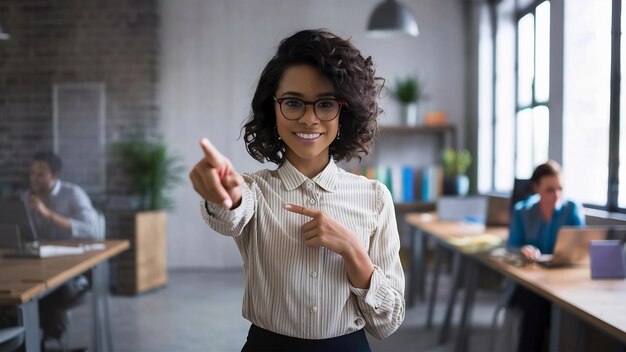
<point x="392" y="17"/>
<point x="3" y="35"/>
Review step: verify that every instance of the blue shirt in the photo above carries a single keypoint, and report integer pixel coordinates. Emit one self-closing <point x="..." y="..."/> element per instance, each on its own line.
<point x="529" y="227"/>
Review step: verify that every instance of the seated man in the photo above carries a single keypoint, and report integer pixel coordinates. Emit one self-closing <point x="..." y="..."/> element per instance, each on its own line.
<point x="59" y="210"/>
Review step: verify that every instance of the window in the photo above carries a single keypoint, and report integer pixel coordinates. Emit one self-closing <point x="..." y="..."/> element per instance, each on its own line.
<point x="78" y="132"/>
<point x="533" y="82"/>
<point x="586" y="99"/>
<point x="589" y="136"/>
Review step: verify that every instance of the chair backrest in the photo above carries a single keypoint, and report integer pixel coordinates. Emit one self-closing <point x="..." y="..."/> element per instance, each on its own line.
<point x="11" y="338"/>
<point x="101" y="226"/>
<point x="522" y="189"/>
<point x="10" y="236"/>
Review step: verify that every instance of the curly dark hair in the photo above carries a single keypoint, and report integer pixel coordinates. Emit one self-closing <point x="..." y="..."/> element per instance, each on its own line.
<point x="354" y="82"/>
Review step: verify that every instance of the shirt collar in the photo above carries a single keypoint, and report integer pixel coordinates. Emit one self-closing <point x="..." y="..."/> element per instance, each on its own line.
<point x="55" y="189"/>
<point x="292" y="178"/>
<point x="535" y="198"/>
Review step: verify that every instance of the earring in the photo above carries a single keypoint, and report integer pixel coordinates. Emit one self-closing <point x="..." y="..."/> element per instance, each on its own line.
<point x="276" y="132"/>
<point x="339" y="132"/>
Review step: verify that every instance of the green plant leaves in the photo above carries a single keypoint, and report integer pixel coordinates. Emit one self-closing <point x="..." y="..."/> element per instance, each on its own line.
<point x="456" y="163"/>
<point x="153" y="169"/>
<point x="407" y="90"/>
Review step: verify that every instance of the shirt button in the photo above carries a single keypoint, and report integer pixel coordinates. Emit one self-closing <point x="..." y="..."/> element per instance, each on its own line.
<point x="313" y="274"/>
<point x="309" y="185"/>
<point x="311" y="201"/>
<point x="358" y="322"/>
<point x="314" y="309"/>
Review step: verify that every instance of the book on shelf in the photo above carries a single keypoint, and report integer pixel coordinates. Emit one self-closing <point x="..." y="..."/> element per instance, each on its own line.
<point x="407" y="184"/>
<point x="432" y="183"/>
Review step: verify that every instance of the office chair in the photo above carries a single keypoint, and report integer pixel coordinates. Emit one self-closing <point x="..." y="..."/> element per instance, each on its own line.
<point x="100" y="235"/>
<point x="522" y="189"/>
<point x="11" y="338"/>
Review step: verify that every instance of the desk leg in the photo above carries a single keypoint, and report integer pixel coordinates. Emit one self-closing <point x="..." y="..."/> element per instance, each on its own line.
<point x="580" y="330"/>
<point x="555" y="328"/>
<point x="28" y="317"/>
<point x="423" y="248"/>
<point x="471" y="280"/>
<point x="456" y="277"/>
<point x="414" y="265"/>
<point x="100" y="306"/>
<point x="434" y="286"/>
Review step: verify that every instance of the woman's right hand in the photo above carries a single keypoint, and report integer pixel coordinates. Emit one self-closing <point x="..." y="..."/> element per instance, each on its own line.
<point x="215" y="179"/>
<point x="530" y="252"/>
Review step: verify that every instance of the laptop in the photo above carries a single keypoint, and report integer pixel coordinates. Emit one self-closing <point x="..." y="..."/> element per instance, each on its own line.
<point x="10" y="236"/>
<point x="14" y="212"/>
<point x="15" y="218"/>
<point x="470" y="209"/>
<point x="572" y="246"/>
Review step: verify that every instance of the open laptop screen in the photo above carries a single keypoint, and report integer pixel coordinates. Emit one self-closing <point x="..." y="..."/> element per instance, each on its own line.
<point x="15" y="212"/>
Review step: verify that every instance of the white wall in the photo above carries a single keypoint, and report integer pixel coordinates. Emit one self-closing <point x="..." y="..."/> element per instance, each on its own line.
<point x="212" y="55"/>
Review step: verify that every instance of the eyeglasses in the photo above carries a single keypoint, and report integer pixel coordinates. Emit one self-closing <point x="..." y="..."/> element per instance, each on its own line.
<point x="325" y="109"/>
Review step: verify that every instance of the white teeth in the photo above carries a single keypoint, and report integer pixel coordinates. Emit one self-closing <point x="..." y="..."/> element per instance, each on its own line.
<point x="308" y="135"/>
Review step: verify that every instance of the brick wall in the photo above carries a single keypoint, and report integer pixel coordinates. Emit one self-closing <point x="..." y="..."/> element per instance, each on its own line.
<point x="109" y="41"/>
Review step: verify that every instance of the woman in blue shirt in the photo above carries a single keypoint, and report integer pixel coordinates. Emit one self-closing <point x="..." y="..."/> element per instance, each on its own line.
<point x="533" y="231"/>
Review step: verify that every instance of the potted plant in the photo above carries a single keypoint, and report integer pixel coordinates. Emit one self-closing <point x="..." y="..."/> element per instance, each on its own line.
<point x="455" y="165"/>
<point x="408" y="92"/>
<point x="153" y="171"/>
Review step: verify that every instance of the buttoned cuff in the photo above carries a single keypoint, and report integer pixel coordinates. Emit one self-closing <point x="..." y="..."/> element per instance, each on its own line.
<point x="374" y="296"/>
<point x="211" y="210"/>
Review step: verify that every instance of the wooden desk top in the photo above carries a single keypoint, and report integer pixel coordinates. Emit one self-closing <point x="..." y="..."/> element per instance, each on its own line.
<point x="599" y="302"/>
<point x="21" y="279"/>
<point x="450" y="232"/>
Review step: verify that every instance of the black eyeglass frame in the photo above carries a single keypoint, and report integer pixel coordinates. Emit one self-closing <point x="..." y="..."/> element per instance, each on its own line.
<point x="279" y="101"/>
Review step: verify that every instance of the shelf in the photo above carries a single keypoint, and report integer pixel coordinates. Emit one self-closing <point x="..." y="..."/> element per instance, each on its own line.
<point x="414" y="207"/>
<point x="399" y="129"/>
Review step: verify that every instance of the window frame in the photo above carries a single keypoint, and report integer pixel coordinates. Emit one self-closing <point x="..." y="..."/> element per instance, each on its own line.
<point x="615" y="92"/>
<point x="519" y="14"/>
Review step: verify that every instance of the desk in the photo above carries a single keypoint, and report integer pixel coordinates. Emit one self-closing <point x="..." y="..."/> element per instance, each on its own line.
<point x="24" y="281"/>
<point x="598" y="302"/>
<point x="446" y="233"/>
<point x="427" y="224"/>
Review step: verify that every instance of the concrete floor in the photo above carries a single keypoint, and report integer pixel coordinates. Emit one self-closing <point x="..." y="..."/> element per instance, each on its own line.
<point x="201" y="311"/>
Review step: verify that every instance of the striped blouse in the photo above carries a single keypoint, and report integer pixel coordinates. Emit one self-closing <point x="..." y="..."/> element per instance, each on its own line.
<point x="304" y="292"/>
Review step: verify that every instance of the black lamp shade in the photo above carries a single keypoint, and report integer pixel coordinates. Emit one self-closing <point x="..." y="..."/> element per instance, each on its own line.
<point x="3" y="35"/>
<point x="391" y="17"/>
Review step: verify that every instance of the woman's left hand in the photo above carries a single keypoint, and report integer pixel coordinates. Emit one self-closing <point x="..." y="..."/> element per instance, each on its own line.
<point x="325" y="231"/>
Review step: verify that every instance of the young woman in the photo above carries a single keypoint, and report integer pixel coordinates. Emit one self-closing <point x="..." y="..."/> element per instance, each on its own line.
<point x="320" y="246"/>
<point x="533" y="231"/>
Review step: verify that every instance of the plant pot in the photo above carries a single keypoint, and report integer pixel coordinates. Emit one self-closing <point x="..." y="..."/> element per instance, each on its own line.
<point x="462" y="185"/>
<point x="144" y="266"/>
<point x="456" y="186"/>
<point x="409" y="114"/>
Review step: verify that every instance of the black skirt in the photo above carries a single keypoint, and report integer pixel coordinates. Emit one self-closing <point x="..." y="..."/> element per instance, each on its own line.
<point x="261" y="340"/>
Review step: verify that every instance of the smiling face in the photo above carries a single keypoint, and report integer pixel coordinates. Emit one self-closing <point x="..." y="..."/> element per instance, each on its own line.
<point x="307" y="139"/>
